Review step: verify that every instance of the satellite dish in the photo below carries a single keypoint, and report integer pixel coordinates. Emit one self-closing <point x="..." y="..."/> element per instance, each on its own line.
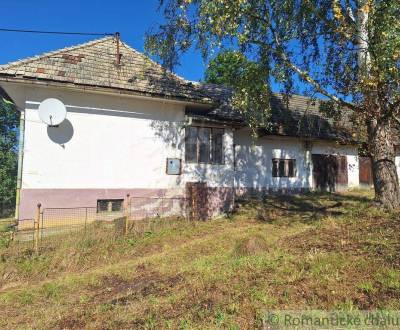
<point x="52" y="112"/>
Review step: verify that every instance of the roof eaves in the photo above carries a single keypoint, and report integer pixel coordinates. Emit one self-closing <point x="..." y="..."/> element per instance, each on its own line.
<point x="57" y="83"/>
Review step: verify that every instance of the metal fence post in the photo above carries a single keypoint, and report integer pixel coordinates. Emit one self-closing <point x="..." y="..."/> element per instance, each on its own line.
<point x="127" y="214"/>
<point x="86" y="209"/>
<point x="36" y="229"/>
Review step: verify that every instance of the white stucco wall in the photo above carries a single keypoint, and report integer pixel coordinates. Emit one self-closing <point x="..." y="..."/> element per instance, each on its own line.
<point x="116" y="142"/>
<point x="110" y="142"/>
<point x="254" y="160"/>
<point x="215" y="175"/>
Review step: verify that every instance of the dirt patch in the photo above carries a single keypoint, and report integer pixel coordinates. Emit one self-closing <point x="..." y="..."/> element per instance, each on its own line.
<point x="116" y="290"/>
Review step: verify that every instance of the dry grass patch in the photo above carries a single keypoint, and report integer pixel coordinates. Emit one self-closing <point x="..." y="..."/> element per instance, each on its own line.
<point x="315" y="251"/>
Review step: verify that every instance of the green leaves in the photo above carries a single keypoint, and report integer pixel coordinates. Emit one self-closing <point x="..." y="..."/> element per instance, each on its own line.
<point x="227" y="67"/>
<point x="9" y="120"/>
<point x="316" y="42"/>
<point x="249" y="81"/>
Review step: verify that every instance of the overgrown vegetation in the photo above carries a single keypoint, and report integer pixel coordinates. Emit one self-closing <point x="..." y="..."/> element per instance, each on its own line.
<point x="314" y="251"/>
<point x="9" y="121"/>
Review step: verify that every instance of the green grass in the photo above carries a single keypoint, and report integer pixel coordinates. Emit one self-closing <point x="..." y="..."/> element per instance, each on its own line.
<point x="5" y="224"/>
<point x="6" y="228"/>
<point x="317" y="251"/>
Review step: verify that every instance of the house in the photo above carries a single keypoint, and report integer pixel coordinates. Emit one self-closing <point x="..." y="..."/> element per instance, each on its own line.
<point x="128" y="119"/>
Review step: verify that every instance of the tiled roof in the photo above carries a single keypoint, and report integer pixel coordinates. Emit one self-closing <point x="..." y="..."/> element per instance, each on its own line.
<point x="300" y="116"/>
<point x="94" y="64"/>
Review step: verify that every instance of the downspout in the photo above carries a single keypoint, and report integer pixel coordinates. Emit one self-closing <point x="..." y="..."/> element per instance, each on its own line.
<point x="21" y="141"/>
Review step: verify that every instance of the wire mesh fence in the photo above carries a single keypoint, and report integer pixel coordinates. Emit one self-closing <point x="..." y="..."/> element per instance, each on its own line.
<point x="137" y="216"/>
<point x="25" y="230"/>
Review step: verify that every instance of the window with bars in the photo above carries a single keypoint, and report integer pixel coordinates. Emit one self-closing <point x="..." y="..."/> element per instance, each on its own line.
<point x="284" y="168"/>
<point x="204" y="145"/>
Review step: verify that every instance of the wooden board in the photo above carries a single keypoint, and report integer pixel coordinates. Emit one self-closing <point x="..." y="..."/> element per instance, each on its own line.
<point x="196" y="194"/>
<point x="365" y="164"/>
<point x="329" y="172"/>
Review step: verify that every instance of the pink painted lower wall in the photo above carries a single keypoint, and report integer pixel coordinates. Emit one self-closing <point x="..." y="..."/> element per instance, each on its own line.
<point x="66" y="198"/>
<point x="219" y="199"/>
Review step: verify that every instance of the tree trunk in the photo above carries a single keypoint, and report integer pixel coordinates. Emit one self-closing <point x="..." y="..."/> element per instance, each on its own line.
<point x="386" y="182"/>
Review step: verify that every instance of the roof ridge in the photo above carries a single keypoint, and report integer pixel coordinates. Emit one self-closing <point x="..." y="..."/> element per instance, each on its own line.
<point x="51" y="53"/>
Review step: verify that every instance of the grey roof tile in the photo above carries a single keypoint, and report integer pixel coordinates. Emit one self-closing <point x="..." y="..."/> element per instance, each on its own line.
<point x="93" y="64"/>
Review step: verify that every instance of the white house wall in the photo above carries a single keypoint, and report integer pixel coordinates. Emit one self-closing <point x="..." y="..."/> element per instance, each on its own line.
<point x="254" y="161"/>
<point x="97" y="148"/>
<point x="107" y="147"/>
<point x="112" y="145"/>
<point x="214" y="175"/>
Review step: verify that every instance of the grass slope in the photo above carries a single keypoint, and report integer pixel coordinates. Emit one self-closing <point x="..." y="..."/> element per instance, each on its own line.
<point x="315" y="251"/>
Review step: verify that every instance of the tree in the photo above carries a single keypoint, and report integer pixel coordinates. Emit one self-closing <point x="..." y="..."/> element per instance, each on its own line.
<point x="226" y="67"/>
<point x="347" y="51"/>
<point x="233" y="69"/>
<point x="9" y="120"/>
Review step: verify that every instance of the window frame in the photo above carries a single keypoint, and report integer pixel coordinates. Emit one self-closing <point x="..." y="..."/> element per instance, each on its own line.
<point x="285" y="165"/>
<point x="110" y="205"/>
<point x="213" y="131"/>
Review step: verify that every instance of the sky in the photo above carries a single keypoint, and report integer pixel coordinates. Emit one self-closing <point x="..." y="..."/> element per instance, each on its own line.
<point x="132" y="18"/>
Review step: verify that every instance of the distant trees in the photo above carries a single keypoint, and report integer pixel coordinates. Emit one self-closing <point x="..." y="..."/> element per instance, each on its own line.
<point x="9" y="120"/>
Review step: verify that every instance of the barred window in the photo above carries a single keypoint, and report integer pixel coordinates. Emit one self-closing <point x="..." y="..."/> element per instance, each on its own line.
<point x="204" y="145"/>
<point x="284" y="168"/>
<point x="109" y="205"/>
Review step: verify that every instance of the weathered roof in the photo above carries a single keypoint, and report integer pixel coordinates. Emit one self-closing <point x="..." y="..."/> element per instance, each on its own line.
<point x="301" y="116"/>
<point x="94" y="64"/>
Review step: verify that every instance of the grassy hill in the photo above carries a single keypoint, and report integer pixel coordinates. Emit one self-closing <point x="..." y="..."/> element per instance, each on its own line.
<point x="310" y="252"/>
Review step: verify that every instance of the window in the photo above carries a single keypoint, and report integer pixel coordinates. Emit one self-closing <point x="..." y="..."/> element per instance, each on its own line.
<point x="109" y="205"/>
<point x="283" y="168"/>
<point x="204" y="145"/>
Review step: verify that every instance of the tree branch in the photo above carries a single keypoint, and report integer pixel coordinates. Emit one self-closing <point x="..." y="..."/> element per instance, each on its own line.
<point x="349" y="11"/>
<point x="305" y="75"/>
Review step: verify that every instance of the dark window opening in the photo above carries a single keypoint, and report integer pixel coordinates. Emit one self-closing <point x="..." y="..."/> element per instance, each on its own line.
<point x="283" y="168"/>
<point x="204" y="145"/>
<point x="109" y="205"/>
